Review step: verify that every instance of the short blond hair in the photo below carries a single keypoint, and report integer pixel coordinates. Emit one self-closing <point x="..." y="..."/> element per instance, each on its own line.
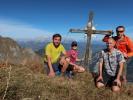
<point x="110" y="38"/>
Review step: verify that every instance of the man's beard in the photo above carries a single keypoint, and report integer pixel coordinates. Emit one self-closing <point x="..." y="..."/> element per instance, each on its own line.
<point x="56" y="45"/>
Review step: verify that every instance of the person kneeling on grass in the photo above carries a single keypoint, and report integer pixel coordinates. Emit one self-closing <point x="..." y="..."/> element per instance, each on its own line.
<point x="53" y="59"/>
<point x="72" y="57"/>
<point x="111" y="63"/>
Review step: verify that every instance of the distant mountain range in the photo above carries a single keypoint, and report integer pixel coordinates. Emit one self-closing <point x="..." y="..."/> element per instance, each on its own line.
<point x="39" y="42"/>
<point x="38" y="46"/>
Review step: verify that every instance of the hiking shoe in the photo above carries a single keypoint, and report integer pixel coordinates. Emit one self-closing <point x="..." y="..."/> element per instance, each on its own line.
<point x="57" y="73"/>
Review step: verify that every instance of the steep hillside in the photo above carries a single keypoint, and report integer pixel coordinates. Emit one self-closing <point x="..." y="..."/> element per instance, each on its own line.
<point x="12" y="53"/>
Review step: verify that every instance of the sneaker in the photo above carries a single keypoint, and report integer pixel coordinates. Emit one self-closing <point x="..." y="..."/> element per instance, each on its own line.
<point x="69" y="74"/>
<point x="57" y="73"/>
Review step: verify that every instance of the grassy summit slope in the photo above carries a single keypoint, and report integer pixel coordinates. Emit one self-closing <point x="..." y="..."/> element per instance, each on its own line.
<point x="26" y="85"/>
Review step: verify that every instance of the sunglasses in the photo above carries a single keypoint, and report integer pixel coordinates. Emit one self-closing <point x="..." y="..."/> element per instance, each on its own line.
<point x="74" y="45"/>
<point x="120" y="31"/>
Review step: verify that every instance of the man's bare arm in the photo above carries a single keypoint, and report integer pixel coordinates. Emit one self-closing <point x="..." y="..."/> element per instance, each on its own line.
<point x="51" y="71"/>
<point x="100" y="71"/>
<point x="120" y="70"/>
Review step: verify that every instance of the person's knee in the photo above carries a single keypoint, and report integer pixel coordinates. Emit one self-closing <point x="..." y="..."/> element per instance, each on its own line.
<point x="67" y="59"/>
<point x="62" y="60"/>
<point x="64" y="64"/>
<point x="99" y="85"/>
<point x="82" y="69"/>
<point x="79" y="69"/>
<point x="115" y="88"/>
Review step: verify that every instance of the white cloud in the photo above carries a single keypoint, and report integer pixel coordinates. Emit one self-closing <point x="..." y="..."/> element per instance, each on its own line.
<point x="15" y="29"/>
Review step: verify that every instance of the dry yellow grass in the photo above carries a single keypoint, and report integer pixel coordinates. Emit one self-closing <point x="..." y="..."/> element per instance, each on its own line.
<point x="27" y="85"/>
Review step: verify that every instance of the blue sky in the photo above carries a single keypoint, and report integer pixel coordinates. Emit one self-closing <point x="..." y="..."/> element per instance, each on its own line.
<point x="30" y="19"/>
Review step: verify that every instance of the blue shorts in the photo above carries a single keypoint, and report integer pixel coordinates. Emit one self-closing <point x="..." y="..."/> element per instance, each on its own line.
<point x="56" y="68"/>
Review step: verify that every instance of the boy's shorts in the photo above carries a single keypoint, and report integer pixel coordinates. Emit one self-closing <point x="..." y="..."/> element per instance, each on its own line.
<point x="70" y="67"/>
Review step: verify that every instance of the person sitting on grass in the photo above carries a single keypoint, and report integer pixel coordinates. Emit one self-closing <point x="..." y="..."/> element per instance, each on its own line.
<point x="111" y="63"/>
<point x="72" y="58"/>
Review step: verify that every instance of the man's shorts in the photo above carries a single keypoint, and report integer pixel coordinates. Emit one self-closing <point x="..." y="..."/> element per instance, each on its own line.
<point x="108" y="80"/>
<point x="55" y="66"/>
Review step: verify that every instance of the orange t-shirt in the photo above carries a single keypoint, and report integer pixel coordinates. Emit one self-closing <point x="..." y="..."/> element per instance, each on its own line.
<point x="125" y="45"/>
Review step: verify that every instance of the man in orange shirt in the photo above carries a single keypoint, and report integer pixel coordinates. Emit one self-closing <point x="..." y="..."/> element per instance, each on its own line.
<point x="124" y="44"/>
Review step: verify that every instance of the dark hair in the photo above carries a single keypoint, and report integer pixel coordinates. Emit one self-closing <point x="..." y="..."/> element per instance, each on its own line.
<point x="57" y="35"/>
<point x="74" y="43"/>
<point x="120" y="27"/>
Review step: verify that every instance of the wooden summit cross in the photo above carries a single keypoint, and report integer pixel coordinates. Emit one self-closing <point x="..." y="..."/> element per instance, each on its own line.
<point x="89" y="31"/>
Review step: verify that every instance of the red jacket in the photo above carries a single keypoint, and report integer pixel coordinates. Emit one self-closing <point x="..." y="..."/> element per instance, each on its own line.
<point x="125" y="45"/>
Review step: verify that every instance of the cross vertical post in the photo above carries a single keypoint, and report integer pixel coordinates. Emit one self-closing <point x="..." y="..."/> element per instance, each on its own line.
<point x="89" y="31"/>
